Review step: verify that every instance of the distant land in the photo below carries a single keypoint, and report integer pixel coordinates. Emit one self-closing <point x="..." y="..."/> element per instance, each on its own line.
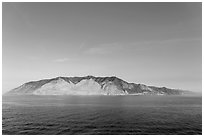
<point x="90" y="85"/>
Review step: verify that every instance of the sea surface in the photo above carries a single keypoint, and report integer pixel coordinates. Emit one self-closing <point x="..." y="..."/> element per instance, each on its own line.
<point x="102" y="115"/>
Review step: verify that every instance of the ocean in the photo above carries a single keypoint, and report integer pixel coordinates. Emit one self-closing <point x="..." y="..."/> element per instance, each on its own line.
<point x="101" y="115"/>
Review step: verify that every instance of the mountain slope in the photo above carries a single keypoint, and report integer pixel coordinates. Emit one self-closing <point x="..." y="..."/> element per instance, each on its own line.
<point x="89" y="85"/>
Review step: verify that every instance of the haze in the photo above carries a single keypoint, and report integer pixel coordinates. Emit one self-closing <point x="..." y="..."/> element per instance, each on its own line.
<point x="156" y="44"/>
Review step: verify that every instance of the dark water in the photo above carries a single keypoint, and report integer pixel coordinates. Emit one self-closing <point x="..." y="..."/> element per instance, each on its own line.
<point x="102" y="115"/>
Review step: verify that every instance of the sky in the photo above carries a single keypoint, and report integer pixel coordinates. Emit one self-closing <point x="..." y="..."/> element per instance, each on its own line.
<point x="157" y="44"/>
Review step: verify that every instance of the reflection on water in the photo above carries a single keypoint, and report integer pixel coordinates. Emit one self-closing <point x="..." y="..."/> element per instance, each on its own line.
<point x="101" y="115"/>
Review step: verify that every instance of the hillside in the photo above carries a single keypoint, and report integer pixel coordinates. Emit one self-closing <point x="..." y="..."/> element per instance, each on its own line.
<point x="89" y="85"/>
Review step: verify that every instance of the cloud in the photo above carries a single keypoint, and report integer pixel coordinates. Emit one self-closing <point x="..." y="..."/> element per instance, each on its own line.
<point x="103" y="49"/>
<point x="142" y="43"/>
<point x="117" y="48"/>
<point x="61" y="60"/>
<point x="97" y="50"/>
<point x="82" y="45"/>
<point x="33" y="58"/>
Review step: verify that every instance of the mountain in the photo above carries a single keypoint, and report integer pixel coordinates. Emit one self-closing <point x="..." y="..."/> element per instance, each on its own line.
<point x="89" y="85"/>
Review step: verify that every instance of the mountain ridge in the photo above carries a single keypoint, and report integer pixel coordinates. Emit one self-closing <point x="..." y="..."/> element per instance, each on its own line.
<point x="90" y="85"/>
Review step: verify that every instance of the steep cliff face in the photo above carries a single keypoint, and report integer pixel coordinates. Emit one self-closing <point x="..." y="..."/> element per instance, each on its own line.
<point x="89" y="85"/>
